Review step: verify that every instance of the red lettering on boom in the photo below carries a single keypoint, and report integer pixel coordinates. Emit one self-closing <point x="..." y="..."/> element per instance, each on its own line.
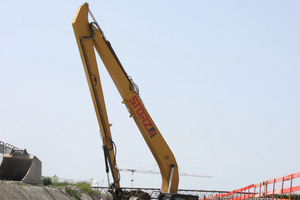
<point x="141" y="113"/>
<point x="134" y="101"/>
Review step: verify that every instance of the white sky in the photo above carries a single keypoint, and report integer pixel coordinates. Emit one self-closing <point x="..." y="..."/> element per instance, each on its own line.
<point x="219" y="78"/>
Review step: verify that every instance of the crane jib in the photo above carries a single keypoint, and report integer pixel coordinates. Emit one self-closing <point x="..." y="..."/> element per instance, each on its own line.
<point x="142" y="115"/>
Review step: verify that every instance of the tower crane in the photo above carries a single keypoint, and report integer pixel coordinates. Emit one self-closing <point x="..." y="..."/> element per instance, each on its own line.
<point x="157" y="172"/>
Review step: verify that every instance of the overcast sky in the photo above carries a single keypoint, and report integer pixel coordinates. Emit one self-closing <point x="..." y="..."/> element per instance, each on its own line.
<point x="219" y="78"/>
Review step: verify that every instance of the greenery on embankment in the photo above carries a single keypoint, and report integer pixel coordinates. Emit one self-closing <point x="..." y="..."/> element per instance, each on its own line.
<point x="84" y="187"/>
<point x="71" y="188"/>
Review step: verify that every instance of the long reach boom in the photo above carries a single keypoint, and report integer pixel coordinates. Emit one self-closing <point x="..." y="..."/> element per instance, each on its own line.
<point x="89" y="36"/>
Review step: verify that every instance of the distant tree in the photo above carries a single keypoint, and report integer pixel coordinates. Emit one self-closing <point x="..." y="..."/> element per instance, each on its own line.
<point x="47" y="181"/>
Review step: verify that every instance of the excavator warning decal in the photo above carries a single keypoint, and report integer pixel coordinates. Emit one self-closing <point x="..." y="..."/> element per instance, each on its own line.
<point x="152" y="131"/>
<point x="142" y="115"/>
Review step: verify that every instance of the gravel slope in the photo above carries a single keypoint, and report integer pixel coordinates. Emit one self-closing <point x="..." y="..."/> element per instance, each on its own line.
<point x="14" y="190"/>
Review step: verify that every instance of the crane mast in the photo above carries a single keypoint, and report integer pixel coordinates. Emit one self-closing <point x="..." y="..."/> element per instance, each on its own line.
<point x="89" y="36"/>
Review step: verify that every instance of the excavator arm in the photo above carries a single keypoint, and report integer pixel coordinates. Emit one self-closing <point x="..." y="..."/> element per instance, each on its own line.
<point x="85" y="39"/>
<point x="89" y="37"/>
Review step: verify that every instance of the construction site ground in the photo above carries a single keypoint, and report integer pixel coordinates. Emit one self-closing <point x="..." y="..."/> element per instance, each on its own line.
<point x="21" y="191"/>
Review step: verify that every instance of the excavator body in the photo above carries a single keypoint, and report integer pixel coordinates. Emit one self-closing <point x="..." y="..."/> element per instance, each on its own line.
<point x="170" y="196"/>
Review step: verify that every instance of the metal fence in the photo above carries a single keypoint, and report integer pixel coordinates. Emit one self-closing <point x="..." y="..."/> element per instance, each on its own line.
<point x="67" y="180"/>
<point x="278" y="188"/>
<point x="6" y="148"/>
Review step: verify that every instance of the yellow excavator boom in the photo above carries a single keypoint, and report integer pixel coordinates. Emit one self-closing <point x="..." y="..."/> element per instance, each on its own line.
<point x="89" y="36"/>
